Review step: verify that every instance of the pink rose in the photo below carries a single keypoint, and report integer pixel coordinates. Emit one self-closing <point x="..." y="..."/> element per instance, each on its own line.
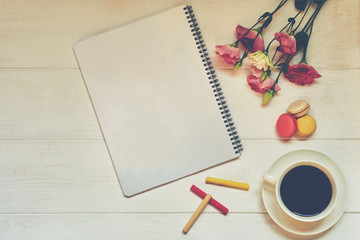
<point x="301" y="74"/>
<point x="257" y="86"/>
<point x="249" y="40"/>
<point x="287" y="43"/>
<point x="228" y="53"/>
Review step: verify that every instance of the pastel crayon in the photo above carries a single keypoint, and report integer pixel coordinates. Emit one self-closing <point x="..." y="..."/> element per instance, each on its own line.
<point x="212" y="201"/>
<point x="227" y="183"/>
<point x="197" y="213"/>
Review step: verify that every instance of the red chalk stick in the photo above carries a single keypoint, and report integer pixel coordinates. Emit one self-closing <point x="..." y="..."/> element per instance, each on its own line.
<point x="212" y="201"/>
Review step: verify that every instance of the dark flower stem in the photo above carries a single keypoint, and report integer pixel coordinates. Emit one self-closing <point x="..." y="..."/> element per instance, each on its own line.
<point x="282" y="69"/>
<point x="252" y="27"/>
<point x="303" y="59"/>
<point x="275" y="64"/>
<point x="292" y="22"/>
<point x="258" y="33"/>
<point x="279" y="6"/>
<point x="312" y="18"/>
<point x="268" y="46"/>
<point x="303" y="16"/>
<point x="247" y="48"/>
<point x="262" y="18"/>
<point x="309" y="25"/>
<point x="274" y="54"/>
<point x="244" y="55"/>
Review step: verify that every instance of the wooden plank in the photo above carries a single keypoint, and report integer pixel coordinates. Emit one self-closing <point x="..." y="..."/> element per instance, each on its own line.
<point x="78" y="176"/>
<point x="159" y="226"/>
<point x="54" y="104"/>
<point x="68" y="189"/>
<point x="41" y="34"/>
<point x="45" y="104"/>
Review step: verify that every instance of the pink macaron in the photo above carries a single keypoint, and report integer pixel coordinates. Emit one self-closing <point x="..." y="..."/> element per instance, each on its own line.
<point x="286" y="126"/>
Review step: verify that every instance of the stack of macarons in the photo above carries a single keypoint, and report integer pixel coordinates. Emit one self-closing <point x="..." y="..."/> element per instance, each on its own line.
<point x="297" y="120"/>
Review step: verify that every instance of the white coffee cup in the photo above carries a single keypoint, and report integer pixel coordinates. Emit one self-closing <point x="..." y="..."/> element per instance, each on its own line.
<point x="275" y="183"/>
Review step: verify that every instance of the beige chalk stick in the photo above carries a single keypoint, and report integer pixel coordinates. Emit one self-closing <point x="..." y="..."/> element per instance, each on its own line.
<point x="197" y="213"/>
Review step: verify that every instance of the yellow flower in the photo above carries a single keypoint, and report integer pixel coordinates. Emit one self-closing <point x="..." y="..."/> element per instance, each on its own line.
<point x="261" y="60"/>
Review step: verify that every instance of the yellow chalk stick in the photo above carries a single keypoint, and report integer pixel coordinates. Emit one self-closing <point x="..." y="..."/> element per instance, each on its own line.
<point x="227" y="183"/>
<point x="197" y="213"/>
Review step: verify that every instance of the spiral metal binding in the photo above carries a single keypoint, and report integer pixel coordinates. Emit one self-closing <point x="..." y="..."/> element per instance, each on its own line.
<point x="215" y="84"/>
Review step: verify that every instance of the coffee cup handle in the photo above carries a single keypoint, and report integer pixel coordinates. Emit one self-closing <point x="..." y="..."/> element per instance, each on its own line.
<point x="270" y="180"/>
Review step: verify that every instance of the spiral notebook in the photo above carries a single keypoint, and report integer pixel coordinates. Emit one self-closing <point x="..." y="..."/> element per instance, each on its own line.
<point x="158" y="101"/>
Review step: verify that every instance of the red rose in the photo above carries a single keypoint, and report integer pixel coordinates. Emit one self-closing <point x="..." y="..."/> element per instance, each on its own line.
<point x="302" y="74"/>
<point x="228" y="53"/>
<point x="287" y="43"/>
<point x="249" y="40"/>
<point x="257" y="85"/>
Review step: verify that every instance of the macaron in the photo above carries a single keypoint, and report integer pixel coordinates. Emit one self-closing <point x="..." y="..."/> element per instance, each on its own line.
<point x="299" y="108"/>
<point x="306" y="126"/>
<point x="286" y="125"/>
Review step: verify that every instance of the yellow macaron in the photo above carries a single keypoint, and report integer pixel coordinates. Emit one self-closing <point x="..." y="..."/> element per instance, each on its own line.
<point x="306" y="126"/>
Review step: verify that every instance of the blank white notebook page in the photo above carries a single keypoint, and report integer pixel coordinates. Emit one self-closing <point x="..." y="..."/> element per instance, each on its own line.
<point x="152" y="97"/>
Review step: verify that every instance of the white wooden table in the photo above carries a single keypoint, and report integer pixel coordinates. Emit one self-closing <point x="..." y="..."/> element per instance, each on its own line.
<point x="56" y="177"/>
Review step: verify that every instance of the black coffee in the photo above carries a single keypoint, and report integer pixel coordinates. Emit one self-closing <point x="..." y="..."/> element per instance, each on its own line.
<point x="306" y="190"/>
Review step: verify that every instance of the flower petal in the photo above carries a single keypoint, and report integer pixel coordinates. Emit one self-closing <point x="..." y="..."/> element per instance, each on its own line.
<point x="287" y="43"/>
<point x="228" y="53"/>
<point x="302" y="74"/>
<point x="252" y="40"/>
<point x="256" y="72"/>
<point x="258" y="44"/>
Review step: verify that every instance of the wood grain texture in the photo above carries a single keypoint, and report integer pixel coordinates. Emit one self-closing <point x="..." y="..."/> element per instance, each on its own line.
<point x="54" y="104"/>
<point x="77" y="176"/>
<point x="41" y="33"/>
<point x="45" y="104"/>
<point x="158" y="226"/>
<point x="56" y="176"/>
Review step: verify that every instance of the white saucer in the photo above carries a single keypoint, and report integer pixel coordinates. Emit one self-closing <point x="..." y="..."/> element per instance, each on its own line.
<point x="282" y="219"/>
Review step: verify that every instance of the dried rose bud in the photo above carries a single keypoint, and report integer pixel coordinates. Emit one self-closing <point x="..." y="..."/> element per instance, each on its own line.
<point x="300" y="4"/>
